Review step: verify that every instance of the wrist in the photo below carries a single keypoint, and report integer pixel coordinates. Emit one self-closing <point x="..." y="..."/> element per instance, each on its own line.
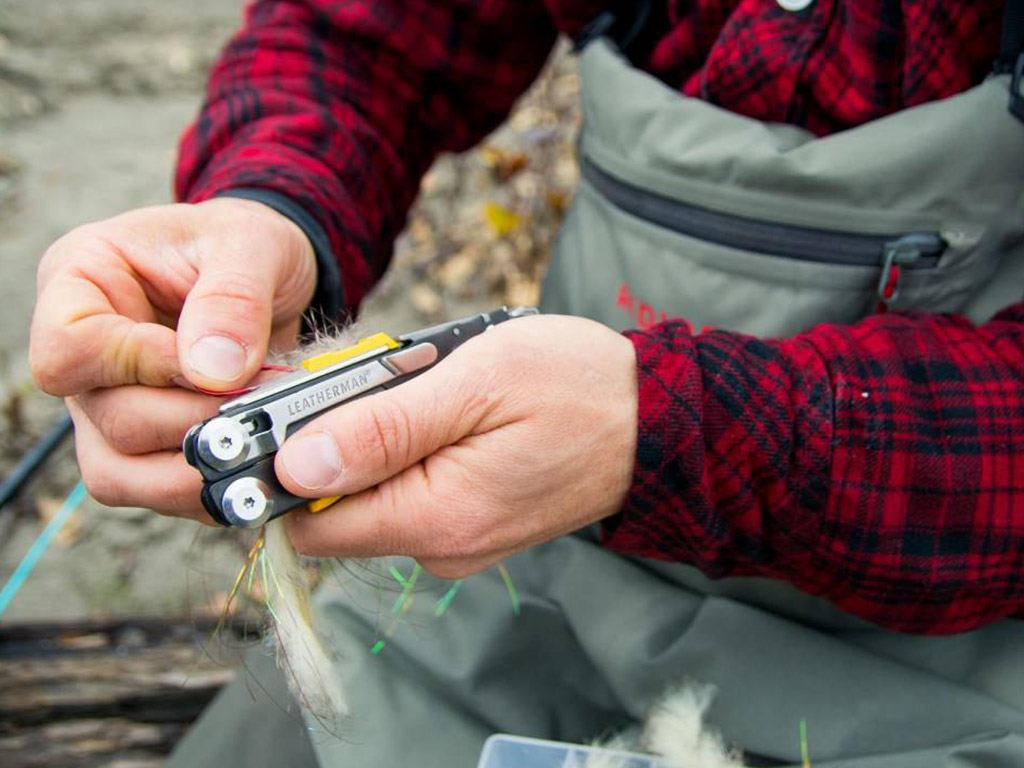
<point x="623" y="354"/>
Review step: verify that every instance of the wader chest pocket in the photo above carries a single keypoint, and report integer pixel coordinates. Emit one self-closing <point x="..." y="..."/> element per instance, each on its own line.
<point x="676" y="259"/>
<point x="687" y="210"/>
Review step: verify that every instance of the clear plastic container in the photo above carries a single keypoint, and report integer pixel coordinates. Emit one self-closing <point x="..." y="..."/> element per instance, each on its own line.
<point x="504" y="751"/>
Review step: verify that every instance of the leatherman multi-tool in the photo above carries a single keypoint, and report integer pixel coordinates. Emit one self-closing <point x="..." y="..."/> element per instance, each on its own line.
<point x="235" y="449"/>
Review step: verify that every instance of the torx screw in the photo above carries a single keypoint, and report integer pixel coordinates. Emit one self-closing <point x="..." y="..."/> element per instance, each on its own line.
<point x="223" y="443"/>
<point x="247" y="503"/>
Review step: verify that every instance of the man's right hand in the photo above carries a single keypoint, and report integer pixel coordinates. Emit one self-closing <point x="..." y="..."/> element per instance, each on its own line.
<point x="133" y="310"/>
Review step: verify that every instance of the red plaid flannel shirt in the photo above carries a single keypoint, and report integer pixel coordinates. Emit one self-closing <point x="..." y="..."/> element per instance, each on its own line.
<point x="880" y="464"/>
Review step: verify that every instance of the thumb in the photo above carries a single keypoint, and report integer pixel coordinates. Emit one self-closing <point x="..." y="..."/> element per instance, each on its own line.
<point x="225" y="324"/>
<point x="363" y="443"/>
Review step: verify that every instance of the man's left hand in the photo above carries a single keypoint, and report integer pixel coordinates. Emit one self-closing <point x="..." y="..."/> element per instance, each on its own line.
<point x="522" y="434"/>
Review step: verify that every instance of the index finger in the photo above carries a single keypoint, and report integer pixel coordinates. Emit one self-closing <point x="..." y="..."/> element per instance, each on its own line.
<point x="82" y="338"/>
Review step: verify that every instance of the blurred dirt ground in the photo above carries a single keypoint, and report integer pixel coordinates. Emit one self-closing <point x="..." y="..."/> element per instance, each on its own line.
<point x="93" y="95"/>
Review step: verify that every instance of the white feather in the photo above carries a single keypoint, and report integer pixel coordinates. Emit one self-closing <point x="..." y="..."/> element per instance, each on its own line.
<point x="675" y="731"/>
<point x="676" y="736"/>
<point x="300" y="652"/>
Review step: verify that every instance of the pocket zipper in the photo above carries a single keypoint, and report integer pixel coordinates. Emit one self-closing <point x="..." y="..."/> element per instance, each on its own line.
<point x="892" y="253"/>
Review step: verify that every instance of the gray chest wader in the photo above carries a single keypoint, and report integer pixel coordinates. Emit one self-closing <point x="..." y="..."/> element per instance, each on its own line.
<point x="687" y="210"/>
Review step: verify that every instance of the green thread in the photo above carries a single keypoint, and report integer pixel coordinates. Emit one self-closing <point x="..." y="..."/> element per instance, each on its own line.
<point x="509" y="587"/>
<point x="273" y="576"/>
<point x="266" y="584"/>
<point x="407" y="589"/>
<point x="402" y="603"/>
<point x="442" y="605"/>
<point x="805" y="752"/>
<point x="252" y="573"/>
<point x="397" y="575"/>
<point x="404" y="600"/>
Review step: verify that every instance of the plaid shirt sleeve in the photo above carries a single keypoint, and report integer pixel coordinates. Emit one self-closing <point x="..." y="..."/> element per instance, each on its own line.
<point x="332" y="111"/>
<point x="880" y="464"/>
<point x="341" y="107"/>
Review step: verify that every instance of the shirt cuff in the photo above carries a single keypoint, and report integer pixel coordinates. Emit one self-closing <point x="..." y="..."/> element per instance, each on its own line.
<point x="668" y="464"/>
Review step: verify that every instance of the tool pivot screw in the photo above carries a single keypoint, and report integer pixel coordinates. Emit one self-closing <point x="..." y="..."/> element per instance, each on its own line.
<point x="247" y="502"/>
<point x="223" y="443"/>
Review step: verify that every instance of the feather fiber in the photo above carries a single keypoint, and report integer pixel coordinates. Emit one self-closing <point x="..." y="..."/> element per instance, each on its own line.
<point x="675" y="735"/>
<point x="301" y="653"/>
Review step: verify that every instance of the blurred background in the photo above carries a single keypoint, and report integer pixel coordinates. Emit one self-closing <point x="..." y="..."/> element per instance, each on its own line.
<point x="105" y="651"/>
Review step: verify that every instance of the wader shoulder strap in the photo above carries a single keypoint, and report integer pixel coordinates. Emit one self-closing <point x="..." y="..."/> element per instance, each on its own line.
<point x="1013" y="36"/>
<point x="1011" y="54"/>
<point x="633" y="25"/>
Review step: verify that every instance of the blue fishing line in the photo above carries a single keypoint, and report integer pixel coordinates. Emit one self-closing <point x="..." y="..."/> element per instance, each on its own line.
<point x="40" y="545"/>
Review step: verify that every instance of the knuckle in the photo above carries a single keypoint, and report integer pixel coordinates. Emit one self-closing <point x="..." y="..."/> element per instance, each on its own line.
<point x="99" y="483"/>
<point x="56" y="255"/>
<point x="481" y="390"/>
<point x="237" y="294"/>
<point x="119" y="361"/>
<point x="387" y="535"/>
<point x="73" y="250"/>
<point x="122" y="434"/>
<point x="101" y="487"/>
<point x="386" y="435"/>
<point x="48" y="361"/>
<point x="42" y="372"/>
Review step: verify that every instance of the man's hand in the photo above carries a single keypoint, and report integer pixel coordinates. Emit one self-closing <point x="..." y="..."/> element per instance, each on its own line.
<point x="171" y="295"/>
<point x="523" y="434"/>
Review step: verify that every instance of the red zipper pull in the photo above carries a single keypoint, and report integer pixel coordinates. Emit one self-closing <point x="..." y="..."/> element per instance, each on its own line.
<point x="890" y="288"/>
<point x="896" y="255"/>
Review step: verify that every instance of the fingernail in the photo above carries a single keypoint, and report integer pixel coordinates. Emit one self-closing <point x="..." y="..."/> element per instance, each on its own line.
<point x="312" y="461"/>
<point x="217" y="357"/>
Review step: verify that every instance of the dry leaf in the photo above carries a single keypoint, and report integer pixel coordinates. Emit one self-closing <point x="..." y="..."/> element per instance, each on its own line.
<point x="559" y="201"/>
<point x="504" y="165"/>
<point x="501" y="220"/>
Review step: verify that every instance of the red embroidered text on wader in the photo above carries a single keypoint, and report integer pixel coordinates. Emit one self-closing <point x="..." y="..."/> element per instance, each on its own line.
<point x="644" y="316"/>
